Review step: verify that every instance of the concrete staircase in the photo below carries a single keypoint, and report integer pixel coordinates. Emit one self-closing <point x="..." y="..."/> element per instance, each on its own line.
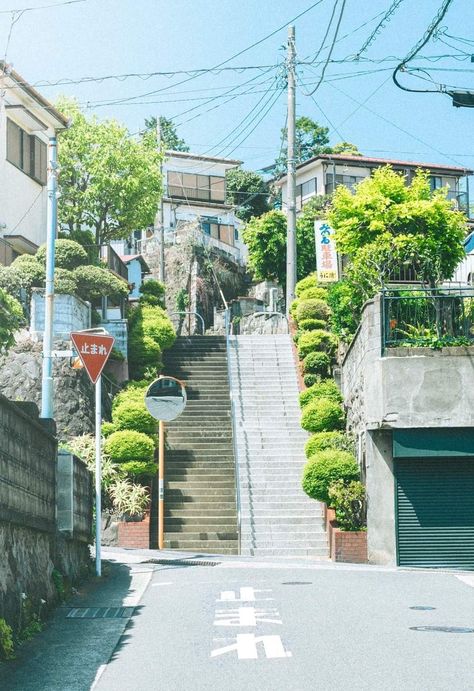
<point x="277" y="518"/>
<point x="200" y="506"/>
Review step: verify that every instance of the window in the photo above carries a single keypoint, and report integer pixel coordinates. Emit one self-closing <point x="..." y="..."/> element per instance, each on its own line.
<point x="349" y="181"/>
<point x="204" y="188"/>
<point x="27" y="152"/>
<point x="219" y="231"/>
<point x="436" y="182"/>
<point x="304" y="192"/>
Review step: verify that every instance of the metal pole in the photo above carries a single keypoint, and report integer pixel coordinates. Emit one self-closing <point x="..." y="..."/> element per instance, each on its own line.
<point x="98" y="476"/>
<point x="291" y="175"/>
<point x="160" y="209"/>
<point x="161" y="483"/>
<point x="47" y="375"/>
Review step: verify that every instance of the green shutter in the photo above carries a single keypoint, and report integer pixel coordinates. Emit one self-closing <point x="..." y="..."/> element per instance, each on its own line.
<point x="435" y="512"/>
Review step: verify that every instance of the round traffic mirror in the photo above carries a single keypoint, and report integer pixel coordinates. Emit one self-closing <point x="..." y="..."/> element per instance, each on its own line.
<point x="166" y="398"/>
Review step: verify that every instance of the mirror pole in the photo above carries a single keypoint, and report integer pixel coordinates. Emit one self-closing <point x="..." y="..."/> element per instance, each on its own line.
<point x="161" y="484"/>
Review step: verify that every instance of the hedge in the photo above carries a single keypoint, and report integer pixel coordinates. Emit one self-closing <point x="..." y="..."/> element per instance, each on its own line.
<point x="317" y="363"/>
<point x="310" y="281"/>
<point x="322" y="415"/>
<point x="134" y="416"/>
<point x="312" y="309"/>
<point x="94" y="282"/>
<point x="328" y="440"/>
<point x="327" y="467"/>
<point x="311" y="341"/>
<point x="323" y="389"/>
<point x="128" y="445"/>
<point x="67" y="254"/>
<point x="311" y="324"/>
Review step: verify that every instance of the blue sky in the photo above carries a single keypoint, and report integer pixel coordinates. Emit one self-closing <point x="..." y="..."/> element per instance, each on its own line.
<point x="106" y="37"/>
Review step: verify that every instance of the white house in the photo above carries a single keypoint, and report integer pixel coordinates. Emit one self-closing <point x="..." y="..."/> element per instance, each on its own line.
<point x="27" y="121"/>
<point x="316" y="176"/>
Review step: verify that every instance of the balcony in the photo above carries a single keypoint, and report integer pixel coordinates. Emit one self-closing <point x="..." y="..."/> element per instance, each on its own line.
<point x="113" y="262"/>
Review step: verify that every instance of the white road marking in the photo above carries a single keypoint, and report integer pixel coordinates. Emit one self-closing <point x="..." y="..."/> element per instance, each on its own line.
<point x="247" y="594"/>
<point x="97" y="677"/>
<point x="154" y="585"/>
<point x="246" y="616"/>
<point x="138" y="585"/>
<point x="246" y="647"/>
<point x="469" y="580"/>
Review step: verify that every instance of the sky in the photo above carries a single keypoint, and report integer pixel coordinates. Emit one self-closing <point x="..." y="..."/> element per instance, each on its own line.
<point x="98" y="38"/>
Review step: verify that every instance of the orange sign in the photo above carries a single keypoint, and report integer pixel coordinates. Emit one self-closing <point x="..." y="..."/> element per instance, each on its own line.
<point x="94" y="351"/>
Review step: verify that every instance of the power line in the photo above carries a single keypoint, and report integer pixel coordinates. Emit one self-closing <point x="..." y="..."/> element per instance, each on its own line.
<point x="381" y="25"/>
<point x="331" y="48"/>
<point x="320" y="110"/>
<point x="41" y="7"/>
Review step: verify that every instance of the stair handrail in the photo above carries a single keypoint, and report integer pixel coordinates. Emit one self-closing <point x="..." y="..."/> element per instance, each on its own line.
<point x="273" y="314"/>
<point x="172" y="314"/>
<point x="234" y="441"/>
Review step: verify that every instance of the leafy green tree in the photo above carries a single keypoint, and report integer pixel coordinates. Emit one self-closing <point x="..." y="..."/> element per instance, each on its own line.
<point x="248" y="191"/>
<point x="168" y="134"/>
<point x="109" y="182"/>
<point x="11" y="318"/>
<point x="346" y="148"/>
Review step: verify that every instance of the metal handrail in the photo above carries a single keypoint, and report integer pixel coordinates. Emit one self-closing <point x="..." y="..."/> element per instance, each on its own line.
<point x="234" y="443"/>
<point x="272" y="314"/>
<point x="195" y="313"/>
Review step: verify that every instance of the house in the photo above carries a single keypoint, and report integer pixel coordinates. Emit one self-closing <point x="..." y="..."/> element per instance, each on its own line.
<point x="316" y="176"/>
<point x="27" y="122"/>
<point x="137" y="269"/>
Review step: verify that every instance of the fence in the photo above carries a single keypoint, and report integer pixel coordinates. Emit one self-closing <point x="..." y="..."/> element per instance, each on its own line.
<point x="424" y="317"/>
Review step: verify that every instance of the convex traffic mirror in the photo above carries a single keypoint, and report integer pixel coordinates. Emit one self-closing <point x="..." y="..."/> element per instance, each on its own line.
<point x="166" y="398"/>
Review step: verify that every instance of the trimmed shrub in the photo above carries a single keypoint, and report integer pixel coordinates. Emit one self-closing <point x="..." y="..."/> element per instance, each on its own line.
<point x="322" y="415"/>
<point x="128" y="445"/>
<point x="151" y="331"/>
<point x="317" y="363"/>
<point x="65" y="282"/>
<point x="11" y="318"/>
<point x="312" y="309"/>
<point x="311" y="293"/>
<point x="293" y="308"/>
<point x="310" y="379"/>
<point x="94" y="282"/>
<point x="311" y="324"/>
<point x="310" y="281"/>
<point x="311" y="341"/>
<point x="328" y="440"/>
<point x="325" y="468"/>
<point x="323" y="389"/>
<point x="67" y="255"/>
<point x="107" y="429"/>
<point x="139" y="469"/>
<point x="134" y="415"/>
<point x="152" y="292"/>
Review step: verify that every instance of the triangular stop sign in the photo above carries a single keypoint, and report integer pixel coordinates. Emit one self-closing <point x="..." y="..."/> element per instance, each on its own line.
<point x="94" y="350"/>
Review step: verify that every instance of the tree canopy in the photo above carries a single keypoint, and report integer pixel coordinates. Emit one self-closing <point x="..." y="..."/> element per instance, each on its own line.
<point x="109" y="182"/>
<point x="168" y="133"/>
<point x="248" y="191"/>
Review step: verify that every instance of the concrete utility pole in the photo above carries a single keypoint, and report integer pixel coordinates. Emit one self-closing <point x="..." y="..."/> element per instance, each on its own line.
<point x="52" y="215"/>
<point x="291" y="174"/>
<point x="159" y="217"/>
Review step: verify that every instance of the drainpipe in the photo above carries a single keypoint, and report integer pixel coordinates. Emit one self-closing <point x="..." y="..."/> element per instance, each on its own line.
<point x="52" y="217"/>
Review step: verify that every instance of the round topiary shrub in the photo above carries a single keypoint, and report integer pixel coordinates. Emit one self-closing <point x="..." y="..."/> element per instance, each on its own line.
<point x="94" y="282"/>
<point x="317" y="363"/>
<point x="311" y="341"/>
<point x="293" y="308"/>
<point x="107" y="429"/>
<point x="64" y="282"/>
<point x="133" y="393"/>
<point x="128" y="445"/>
<point x="152" y="293"/>
<point x="310" y="281"/>
<point x="139" y="469"/>
<point x="323" y="389"/>
<point x="312" y="309"/>
<point x="326" y="467"/>
<point x="134" y="415"/>
<point x="322" y="415"/>
<point x="67" y="254"/>
<point x="311" y="324"/>
<point x="314" y="293"/>
<point x="310" y="379"/>
<point x="328" y="440"/>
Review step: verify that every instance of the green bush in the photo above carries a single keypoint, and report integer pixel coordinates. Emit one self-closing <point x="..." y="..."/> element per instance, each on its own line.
<point x="133" y="393"/>
<point x="135" y="416"/>
<point x="67" y="255"/>
<point x="311" y="324"/>
<point x="94" y="282"/>
<point x="129" y="498"/>
<point x="310" y="379"/>
<point x="293" y="308"/>
<point x="312" y="309"/>
<point x="11" y="318"/>
<point x="128" y="445"/>
<point x="310" y="281"/>
<point x="64" y="282"/>
<point x="151" y="331"/>
<point x="314" y="293"/>
<point x="152" y="292"/>
<point x="317" y="363"/>
<point x="107" y="429"/>
<point x="311" y="341"/>
<point x="139" y="469"/>
<point x="348" y="501"/>
<point x="322" y="389"/>
<point x="328" y="440"/>
<point x="327" y="467"/>
<point x="322" y="415"/>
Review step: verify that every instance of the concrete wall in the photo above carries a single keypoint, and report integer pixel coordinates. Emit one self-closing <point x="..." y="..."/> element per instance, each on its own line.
<point x="70" y="314"/>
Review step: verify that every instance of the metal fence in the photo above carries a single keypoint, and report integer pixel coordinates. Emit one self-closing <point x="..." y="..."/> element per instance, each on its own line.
<point x="424" y="317"/>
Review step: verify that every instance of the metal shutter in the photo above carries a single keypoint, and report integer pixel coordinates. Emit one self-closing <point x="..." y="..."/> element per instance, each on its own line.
<point x="435" y="512"/>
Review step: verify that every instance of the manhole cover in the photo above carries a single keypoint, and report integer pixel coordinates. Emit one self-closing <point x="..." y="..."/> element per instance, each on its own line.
<point x="100" y="613"/>
<point x="297" y="583"/>
<point x="182" y="562"/>
<point x="422" y="608"/>
<point x="443" y="629"/>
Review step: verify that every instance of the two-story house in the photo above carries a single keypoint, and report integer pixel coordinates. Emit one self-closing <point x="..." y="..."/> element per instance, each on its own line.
<point x="27" y="122"/>
<point x="320" y="174"/>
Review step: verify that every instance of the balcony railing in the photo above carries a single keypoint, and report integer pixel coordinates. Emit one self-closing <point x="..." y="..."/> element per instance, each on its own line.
<point x="201" y="194"/>
<point x="431" y="318"/>
<point x="113" y="262"/>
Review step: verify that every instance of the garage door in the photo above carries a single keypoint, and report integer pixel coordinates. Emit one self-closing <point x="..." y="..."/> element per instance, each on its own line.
<point x="435" y="512"/>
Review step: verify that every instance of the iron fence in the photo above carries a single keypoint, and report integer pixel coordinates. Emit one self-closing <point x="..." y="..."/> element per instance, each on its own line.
<point x="427" y="317"/>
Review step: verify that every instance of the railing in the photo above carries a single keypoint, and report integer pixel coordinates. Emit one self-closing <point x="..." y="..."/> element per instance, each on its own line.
<point x="228" y="327"/>
<point x="427" y="317"/>
<point x="114" y="263"/>
<point x="189" y="313"/>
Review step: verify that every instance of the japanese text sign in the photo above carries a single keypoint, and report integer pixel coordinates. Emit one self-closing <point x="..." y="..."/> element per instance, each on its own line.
<point x="94" y="351"/>
<point x="326" y="255"/>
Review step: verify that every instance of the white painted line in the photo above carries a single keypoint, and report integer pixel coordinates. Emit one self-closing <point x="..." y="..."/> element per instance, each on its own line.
<point x="97" y="677"/>
<point x="138" y="585"/>
<point x="246" y="616"/>
<point x="246" y="647"/>
<point x="247" y="594"/>
<point x="154" y="585"/>
<point x="468" y="580"/>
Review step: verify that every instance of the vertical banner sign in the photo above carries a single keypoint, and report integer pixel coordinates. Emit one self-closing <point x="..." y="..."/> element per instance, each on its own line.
<point x="326" y="255"/>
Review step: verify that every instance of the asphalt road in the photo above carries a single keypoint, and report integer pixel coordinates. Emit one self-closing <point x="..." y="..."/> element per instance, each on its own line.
<point x="276" y="627"/>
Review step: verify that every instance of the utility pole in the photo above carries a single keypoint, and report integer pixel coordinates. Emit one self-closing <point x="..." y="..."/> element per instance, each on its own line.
<point x="159" y="217"/>
<point x="52" y="215"/>
<point x="291" y="174"/>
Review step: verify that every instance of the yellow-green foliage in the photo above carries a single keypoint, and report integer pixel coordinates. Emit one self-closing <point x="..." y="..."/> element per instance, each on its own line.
<point x="128" y="445"/>
<point x="325" y="468"/>
<point x="316" y="293"/>
<point x="312" y="309"/>
<point x="310" y="341"/>
<point x="151" y="331"/>
<point x="310" y="281"/>
<point x="6" y="641"/>
<point x="323" y="389"/>
<point x="328" y="440"/>
<point x="322" y="415"/>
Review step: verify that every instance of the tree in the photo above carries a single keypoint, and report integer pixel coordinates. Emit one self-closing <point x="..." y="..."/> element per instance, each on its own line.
<point x="346" y="148"/>
<point x="168" y="134"/>
<point x="11" y="318"/>
<point x="248" y="191"/>
<point x="109" y="182"/>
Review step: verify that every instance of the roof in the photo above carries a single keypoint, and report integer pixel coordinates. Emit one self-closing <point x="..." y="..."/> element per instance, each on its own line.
<point x="370" y="161"/>
<point x="127" y="258"/>
<point x="35" y="95"/>
<point x="201" y="157"/>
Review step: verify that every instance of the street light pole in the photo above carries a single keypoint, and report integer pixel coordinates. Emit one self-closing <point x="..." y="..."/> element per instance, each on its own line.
<point x="52" y="215"/>
<point x="291" y="174"/>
